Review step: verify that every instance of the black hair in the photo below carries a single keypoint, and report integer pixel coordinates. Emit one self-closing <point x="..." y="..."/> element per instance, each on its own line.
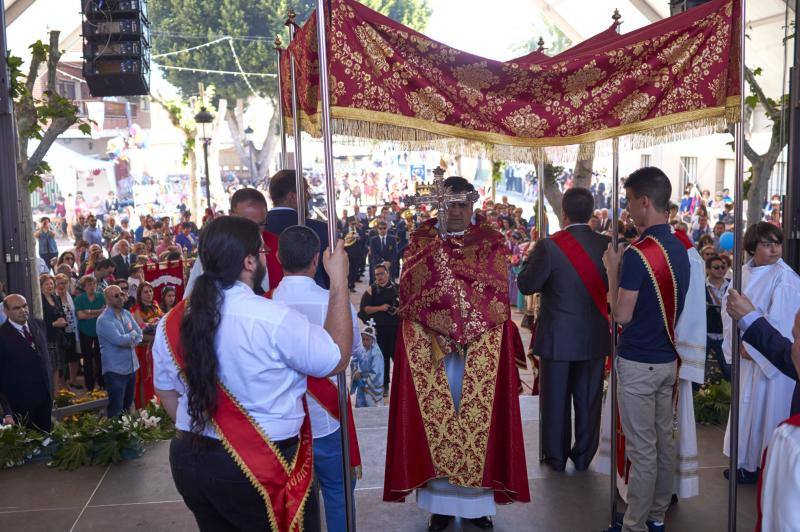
<point x="104" y="264"/>
<point x="578" y="204"/>
<point x="380" y="265"/>
<point x="249" y="195"/>
<point x="712" y="259"/>
<point x="653" y="183"/>
<point x="297" y="247"/>
<point x="188" y="225"/>
<point x="761" y="231"/>
<point x="458" y="184"/>
<point x="281" y="184"/>
<point x="225" y="242"/>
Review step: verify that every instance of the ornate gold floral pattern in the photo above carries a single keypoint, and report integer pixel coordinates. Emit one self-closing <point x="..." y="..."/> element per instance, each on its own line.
<point x="457" y="441"/>
<point x="395" y="78"/>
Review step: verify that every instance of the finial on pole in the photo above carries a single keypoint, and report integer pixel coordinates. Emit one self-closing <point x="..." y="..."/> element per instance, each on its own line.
<point x="278" y="43"/>
<point x="541" y="44"/>
<point x="290" y="18"/>
<point x="616" y="16"/>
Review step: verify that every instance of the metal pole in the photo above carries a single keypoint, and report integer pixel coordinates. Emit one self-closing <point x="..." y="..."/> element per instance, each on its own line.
<point x="330" y="189"/>
<point x="281" y="128"/>
<point x="298" y="153"/>
<point x="13" y="238"/>
<point x="206" y="142"/>
<point x="737" y="280"/>
<point x="541" y="228"/>
<point x="612" y="377"/>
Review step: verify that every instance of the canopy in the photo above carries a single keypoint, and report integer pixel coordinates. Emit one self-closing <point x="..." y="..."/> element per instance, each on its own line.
<point x="673" y="79"/>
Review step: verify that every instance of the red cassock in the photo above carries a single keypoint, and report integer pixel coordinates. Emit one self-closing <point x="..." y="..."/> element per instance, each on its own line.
<point x="274" y="269"/>
<point x="454" y="297"/>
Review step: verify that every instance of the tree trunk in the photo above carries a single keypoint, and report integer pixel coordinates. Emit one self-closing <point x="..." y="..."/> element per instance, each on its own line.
<point x="757" y="193"/>
<point x="581" y="177"/>
<point x="27" y="229"/>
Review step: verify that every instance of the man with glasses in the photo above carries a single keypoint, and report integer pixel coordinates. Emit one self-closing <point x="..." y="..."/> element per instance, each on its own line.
<point x="382" y="250"/>
<point x="119" y="335"/>
<point x="379" y="303"/>
<point x="716" y="287"/>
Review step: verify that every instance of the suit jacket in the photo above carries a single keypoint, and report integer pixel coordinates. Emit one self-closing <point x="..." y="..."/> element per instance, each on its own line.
<point x="569" y="327"/>
<point x="777" y="349"/>
<point x="122" y="270"/>
<point x="379" y="253"/>
<point x="280" y="219"/>
<point x="25" y="373"/>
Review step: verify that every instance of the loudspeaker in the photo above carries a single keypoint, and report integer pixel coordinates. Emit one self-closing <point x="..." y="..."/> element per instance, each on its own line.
<point x="116" y="47"/>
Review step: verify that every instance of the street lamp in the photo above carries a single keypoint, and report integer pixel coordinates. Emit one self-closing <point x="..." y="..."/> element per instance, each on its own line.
<point x="248" y="134"/>
<point x="203" y="118"/>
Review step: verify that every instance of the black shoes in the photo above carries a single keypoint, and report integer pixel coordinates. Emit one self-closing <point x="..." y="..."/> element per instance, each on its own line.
<point x="484" y="523"/>
<point x="439" y="523"/>
<point x="743" y="476"/>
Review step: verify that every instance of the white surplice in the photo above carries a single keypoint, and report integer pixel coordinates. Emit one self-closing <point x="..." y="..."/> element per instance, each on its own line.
<point x="766" y="393"/>
<point x="690" y="343"/>
<point x="780" y="482"/>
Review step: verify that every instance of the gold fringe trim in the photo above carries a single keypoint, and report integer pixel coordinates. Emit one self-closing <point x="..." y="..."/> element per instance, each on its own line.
<point x="357" y="126"/>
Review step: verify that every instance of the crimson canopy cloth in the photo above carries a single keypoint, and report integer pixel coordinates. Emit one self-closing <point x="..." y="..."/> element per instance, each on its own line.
<point x="675" y="78"/>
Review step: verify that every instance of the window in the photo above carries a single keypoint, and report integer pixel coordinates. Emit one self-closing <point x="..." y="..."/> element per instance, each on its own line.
<point x="688" y="172"/>
<point x="646" y="158"/>
<point x="67" y="89"/>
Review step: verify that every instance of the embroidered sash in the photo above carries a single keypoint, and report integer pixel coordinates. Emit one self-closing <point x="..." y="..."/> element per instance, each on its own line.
<point x="656" y="261"/>
<point x="284" y="487"/>
<point x="585" y="268"/>
<point x="327" y="395"/>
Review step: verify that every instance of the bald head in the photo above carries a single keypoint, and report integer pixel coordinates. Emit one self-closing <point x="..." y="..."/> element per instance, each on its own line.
<point x="114" y="297"/>
<point x="16" y="308"/>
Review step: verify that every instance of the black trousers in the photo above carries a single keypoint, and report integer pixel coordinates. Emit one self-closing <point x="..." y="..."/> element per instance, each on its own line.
<point x="565" y="386"/>
<point x="92" y="365"/>
<point x="387" y="337"/>
<point x="217" y="492"/>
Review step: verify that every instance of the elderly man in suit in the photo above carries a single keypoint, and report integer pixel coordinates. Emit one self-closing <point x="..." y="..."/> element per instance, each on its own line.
<point x="123" y="261"/>
<point x="572" y="335"/>
<point x="26" y="391"/>
<point x="283" y="193"/>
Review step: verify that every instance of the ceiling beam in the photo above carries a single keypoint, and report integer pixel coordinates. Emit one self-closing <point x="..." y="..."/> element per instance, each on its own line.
<point x="16" y="9"/>
<point x="547" y="10"/>
<point x="644" y="7"/>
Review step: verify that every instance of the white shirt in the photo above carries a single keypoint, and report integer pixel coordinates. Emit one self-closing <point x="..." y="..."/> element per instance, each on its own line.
<point x="309" y="299"/>
<point x="780" y="482"/>
<point x="265" y="350"/>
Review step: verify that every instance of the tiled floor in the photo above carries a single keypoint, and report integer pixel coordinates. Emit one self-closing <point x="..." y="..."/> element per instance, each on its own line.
<point x="139" y="495"/>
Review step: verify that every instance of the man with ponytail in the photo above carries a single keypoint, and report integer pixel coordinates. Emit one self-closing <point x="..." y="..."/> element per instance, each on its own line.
<point x="231" y="370"/>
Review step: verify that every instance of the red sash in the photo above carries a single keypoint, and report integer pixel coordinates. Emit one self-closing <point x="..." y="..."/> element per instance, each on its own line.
<point x="684" y="238"/>
<point x="657" y="263"/>
<point x="274" y="268"/>
<point x="794" y="420"/>
<point x="284" y="487"/>
<point x="327" y="395"/>
<point x="585" y="268"/>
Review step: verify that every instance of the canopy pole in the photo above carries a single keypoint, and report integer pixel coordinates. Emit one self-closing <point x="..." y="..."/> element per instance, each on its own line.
<point x="541" y="227"/>
<point x="330" y="189"/>
<point x="612" y="376"/>
<point x="296" y="128"/>
<point x="737" y="280"/>
<point x="281" y="129"/>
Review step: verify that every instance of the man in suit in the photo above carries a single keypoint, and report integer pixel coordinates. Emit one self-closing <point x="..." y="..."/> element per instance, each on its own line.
<point x="123" y="261"/>
<point x="572" y="335"/>
<point x="382" y="249"/>
<point x="283" y="193"/>
<point x="26" y="392"/>
<point x="758" y="332"/>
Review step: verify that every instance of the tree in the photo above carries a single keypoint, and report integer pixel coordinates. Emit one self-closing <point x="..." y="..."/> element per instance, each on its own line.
<point x="762" y="164"/>
<point x="253" y="24"/>
<point x="43" y="119"/>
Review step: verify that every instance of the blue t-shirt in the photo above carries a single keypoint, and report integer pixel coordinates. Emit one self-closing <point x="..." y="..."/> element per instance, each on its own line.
<point x="645" y="338"/>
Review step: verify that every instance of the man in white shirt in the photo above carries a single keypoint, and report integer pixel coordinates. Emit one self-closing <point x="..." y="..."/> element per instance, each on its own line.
<point x="298" y="252"/>
<point x="231" y="365"/>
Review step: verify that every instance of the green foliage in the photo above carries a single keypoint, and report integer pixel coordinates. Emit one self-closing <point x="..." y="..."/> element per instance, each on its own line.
<point x="18" y="445"/>
<point x="497" y="171"/>
<point x="555" y="40"/>
<point x="712" y="402"/>
<point x="180" y="24"/>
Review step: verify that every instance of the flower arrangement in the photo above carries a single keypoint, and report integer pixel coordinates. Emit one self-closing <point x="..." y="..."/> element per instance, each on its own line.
<point x="712" y="403"/>
<point x="87" y="439"/>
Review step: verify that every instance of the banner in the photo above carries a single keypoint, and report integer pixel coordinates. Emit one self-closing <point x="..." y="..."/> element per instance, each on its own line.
<point x="672" y="79"/>
<point x="165" y="274"/>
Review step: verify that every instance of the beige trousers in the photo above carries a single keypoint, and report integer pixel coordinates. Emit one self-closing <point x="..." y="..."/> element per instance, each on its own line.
<point x="646" y="413"/>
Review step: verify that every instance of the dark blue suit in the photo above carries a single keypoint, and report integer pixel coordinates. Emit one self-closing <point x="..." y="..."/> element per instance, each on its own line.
<point x="379" y="253"/>
<point x="777" y="349"/>
<point x="280" y="219"/>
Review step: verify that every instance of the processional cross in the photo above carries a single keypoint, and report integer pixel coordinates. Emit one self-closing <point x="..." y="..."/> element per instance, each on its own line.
<point x="437" y="196"/>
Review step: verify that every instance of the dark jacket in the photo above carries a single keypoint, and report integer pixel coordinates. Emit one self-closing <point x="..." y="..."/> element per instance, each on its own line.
<point x="569" y="327"/>
<point x="379" y="253"/>
<point x="25" y="373"/>
<point x="122" y="270"/>
<point x="777" y="349"/>
<point x="280" y="219"/>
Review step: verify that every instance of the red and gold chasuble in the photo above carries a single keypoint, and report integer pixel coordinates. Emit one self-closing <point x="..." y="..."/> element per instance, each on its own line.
<point x="284" y="487"/>
<point x="454" y="298"/>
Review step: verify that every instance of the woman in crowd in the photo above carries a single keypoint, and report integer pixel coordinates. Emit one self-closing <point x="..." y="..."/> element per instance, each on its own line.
<point x="164" y="244"/>
<point x="55" y="322"/>
<point x="169" y="297"/>
<point x="68" y="258"/>
<point x="149" y="249"/>
<point x="766" y="396"/>
<point x="70" y="344"/>
<point x="135" y="278"/>
<point x="515" y="264"/>
<point x="95" y="256"/>
<point x="88" y="306"/>
<point x="147" y="313"/>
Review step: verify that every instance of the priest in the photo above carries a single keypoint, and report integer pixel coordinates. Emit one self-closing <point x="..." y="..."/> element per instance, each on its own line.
<point x="455" y="432"/>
